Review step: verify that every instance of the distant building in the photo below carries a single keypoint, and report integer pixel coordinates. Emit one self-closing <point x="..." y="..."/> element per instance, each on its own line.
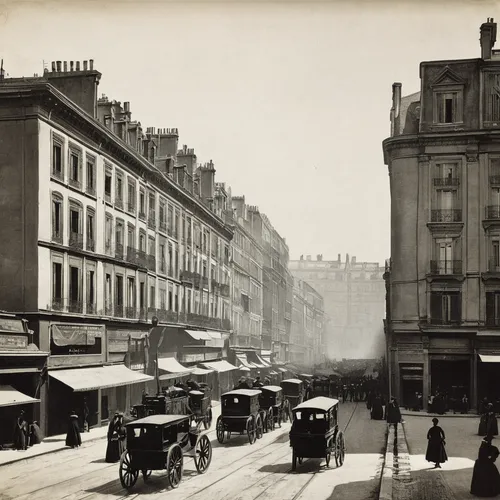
<point x="353" y="294"/>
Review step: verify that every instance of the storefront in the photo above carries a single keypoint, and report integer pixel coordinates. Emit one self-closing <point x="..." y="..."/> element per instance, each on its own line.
<point x="227" y="374"/>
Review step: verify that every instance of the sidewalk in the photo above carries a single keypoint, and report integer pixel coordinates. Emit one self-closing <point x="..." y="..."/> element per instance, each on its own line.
<point x="57" y="443"/>
<point x="427" y="414"/>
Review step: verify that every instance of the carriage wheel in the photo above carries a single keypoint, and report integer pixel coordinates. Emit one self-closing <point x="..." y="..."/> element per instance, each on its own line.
<point x="128" y="476"/>
<point x="202" y="454"/>
<point x="207" y="421"/>
<point x="219" y="428"/>
<point x="252" y="435"/>
<point x="146" y="474"/>
<point x="259" y="427"/>
<point x="294" y="460"/>
<point x="328" y="456"/>
<point x="339" y="450"/>
<point x="175" y="465"/>
<point x="270" y="420"/>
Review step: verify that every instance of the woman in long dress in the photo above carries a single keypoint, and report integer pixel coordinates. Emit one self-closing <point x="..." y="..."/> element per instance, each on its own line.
<point x="116" y="439"/>
<point x="36" y="434"/>
<point x="485" y="477"/>
<point x="435" y="446"/>
<point x="73" y="436"/>
<point x="21" y="432"/>
<point x="377" y="408"/>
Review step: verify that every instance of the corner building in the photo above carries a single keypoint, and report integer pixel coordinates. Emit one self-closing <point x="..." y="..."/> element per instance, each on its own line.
<point x="103" y="226"/>
<point x="443" y="279"/>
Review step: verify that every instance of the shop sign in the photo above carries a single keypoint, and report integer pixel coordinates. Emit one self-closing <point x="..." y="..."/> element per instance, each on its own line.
<point x="124" y="335"/>
<point x="73" y="339"/>
<point x="13" y="341"/>
<point x="192" y="358"/>
<point x="210" y="356"/>
<point x="137" y="366"/>
<point x="11" y="325"/>
<point x="412" y="377"/>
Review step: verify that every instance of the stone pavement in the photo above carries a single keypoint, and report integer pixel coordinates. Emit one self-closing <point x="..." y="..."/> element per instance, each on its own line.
<point x="57" y="443"/>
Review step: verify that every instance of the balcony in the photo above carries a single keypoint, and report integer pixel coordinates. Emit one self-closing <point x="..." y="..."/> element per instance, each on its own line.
<point x="91" y="308"/>
<point x="163" y="226"/>
<point x="108" y="310"/>
<point x="454" y="321"/>
<point x="187" y="277"/>
<point x="57" y="237"/>
<point x="75" y="306"/>
<point x="141" y="259"/>
<point x="151" y="220"/>
<point x="57" y="174"/>
<point x="446" y="216"/>
<point x="119" y="203"/>
<point x="224" y="289"/>
<point x="446" y="182"/>
<point x="107" y="197"/>
<point x="143" y="313"/>
<point x="76" y="240"/>
<point x="131" y="312"/>
<point x="494" y="180"/>
<point x="119" y="251"/>
<point x="90" y="245"/>
<point x="151" y="263"/>
<point x="142" y="215"/>
<point x="90" y="190"/>
<point x="446" y="267"/>
<point x="75" y="183"/>
<point x="118" y="311"/>
<point x="215" y="285"/>
<point x="131" y="255"/>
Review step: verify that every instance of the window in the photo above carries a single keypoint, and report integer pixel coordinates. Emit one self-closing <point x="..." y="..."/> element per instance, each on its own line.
<point x="90" y="299"/>
<point x="492" y="97"/>
<point x="57" y="217"/>
<point x="90" y="230"/>
<point x="75" y="225"/>
<point x="130" y="238"/>
<point x="142" y="242"/>
<point x="119" y="191"/>
<point x="57" y="285"/>
<point x="108" y="233"/>
<point x="108" y="176"/>
<point x="162" y="257"/>
<point x="170" y="298"/>
<point x="447" y="175"/>
<point x="57" y="156"/>
<point x="176" y="224"/>
<point x="152" y="296"/>
<point x="75" y="167"/>
<point x="448" y="107"/>
<point x="119" y="291"/>
<point x="163" y="298"/>
<point x="161" y="216"/>
<point x="107" y="294"/>
<point x="142" y="204"/>
<point x="176" y="298"/>
<point x="119" y="236"/>
<point x="446" y="308"/>
<point x="131" y="196"/>
<point x="142" y="294"/>
<point x="493" y="308"/>
<point x="75" y="304"/>
<point x="90" y="176"/>
<point x="495" y="256"/>
<point x="152" y="207"/>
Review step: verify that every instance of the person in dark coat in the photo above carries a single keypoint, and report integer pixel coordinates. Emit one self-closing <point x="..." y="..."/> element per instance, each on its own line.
<point x="393" y="413"/>
<point x="257" y="383"/>
<point x="193" y="385"/>
<point x="483" y="406"/>
<point x="116" y="439"/>
<point x="86" y="414"/>
<point x="35" y="434"/>
<point x="21" y="432"/>
<point x="73" y="437"/>
<point x="491" y="422"/>
<point x="464" y="404"/>
<point x="485" y="477"/>
<point x="435" y="447"/>
<point x="377" y="408"/>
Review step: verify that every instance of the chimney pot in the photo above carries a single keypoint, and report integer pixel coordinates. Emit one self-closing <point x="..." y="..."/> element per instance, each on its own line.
<point x="71" y="65"/>
<point x="91" y="64"/>
<point x="488" y="37"/>
<point x="58" y="65"/>
<point x="85" y="63"/>
<point x="77" y="65"/>
<point x="65" y="64"/>
<point x="126" y="106"/>
<point x="53" y="66"/>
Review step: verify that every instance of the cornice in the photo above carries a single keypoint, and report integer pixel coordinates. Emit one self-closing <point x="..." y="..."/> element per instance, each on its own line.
<point x="52" y="105"/>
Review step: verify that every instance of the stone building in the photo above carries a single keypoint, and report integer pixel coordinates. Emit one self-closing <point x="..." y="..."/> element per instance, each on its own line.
<point x="353" y="295"/>
<point x="443" y="279"/>
<point x="104" y="226"/>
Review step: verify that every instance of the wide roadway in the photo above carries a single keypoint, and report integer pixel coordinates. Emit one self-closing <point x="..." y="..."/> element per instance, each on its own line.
<point x="239" y="471"/>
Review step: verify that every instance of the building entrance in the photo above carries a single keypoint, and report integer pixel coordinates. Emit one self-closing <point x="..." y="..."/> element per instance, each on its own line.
<point x="488" y="375"/>
<point x="450" y="377"/>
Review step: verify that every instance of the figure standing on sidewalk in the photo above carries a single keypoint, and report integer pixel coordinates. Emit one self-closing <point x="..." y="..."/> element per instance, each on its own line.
<point x="488" y="424"/>
<point x="393" y="413"/>
<point x="485" y="477"/>
<point x="21" y="432"/>
<point x="86" y="413"/>
<point x="435" y="447"/>
<point x="73" y="437"/>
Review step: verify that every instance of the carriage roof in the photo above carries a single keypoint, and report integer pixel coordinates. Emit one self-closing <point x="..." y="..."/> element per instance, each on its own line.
<point x="158" y="420"/>
<point x="320" y="403"/>
<point x="196" y="393"/>
<point x="243" y="392"/>
<point x="292" y="381"/>
<point x="271" y="388"/>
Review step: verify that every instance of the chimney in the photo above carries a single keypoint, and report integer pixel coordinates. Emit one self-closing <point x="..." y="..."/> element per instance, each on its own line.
<point x="167" y="140"/>
<point x="488" y="37"/>
<point x="339" y="258"/>
<point x="207" y="181"/>
<point x="79" y="87"/>
<point x="77" y="65"/>
<point x="71" y="65"/>
<point x="238" y="205"/>
<point x="126" y="107"/>
<point x="53" y="66"/>
<point x="91" y="61"/>
<point x="187" y="156"/>
<point x="301" y="257"/>
<point x="65" y="65"/>
<point x="85" y="63"/>
<point x="396" y="108"/>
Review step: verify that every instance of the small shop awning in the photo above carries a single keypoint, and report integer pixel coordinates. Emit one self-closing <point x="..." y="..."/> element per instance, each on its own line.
<point x="198" y="335"/>
<point x="263" y="361"/>
<point x="243" y="369"/>
<point x="272" y="372"/>
<point x="242" y="358"/>
<point x="266" y="356"/>
<point x="220" y="366"/>
<point x="489" y="358"/>
<point x="100" y="377"/>
<point x="11" y="397"/>
<point x="284" y="370"/>
<point x="171" y="365"/>
<point x="201" y="371"/>
<point x="216" y="339"/>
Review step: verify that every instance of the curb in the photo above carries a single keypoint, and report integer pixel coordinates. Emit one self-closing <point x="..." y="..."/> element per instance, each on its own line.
<point x="386" y="478"/>
<point x="446" y="415"/>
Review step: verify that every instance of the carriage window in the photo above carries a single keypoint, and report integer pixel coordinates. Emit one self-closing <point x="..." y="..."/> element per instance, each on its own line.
<point x="169" y="434"/>
<point x="184" y="426"/>
<point x="235" y="401"/>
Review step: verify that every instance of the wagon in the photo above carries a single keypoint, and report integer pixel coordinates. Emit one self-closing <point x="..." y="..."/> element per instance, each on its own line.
<point x="161" y="442"/>
<point x="271" y="404"/>
<point x="315" y="432"/>
<point x="293" y="394"/>
<point x="176" y="403"/>
<point x="239" y="414"/>
<point x="321" y="387"/>
<point x="200" y="405"/>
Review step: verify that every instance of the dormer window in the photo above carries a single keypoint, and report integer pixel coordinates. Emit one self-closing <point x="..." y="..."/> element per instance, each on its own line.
<point x="448" y="96"/>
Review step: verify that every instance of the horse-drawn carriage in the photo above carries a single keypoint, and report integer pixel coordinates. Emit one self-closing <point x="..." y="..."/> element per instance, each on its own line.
<point x="321" y="387"/>
<point x="271" y="405"/>
<point x="293" y="394"/>
<point x="240" y="413"/>
<point x="315" y="432"/>
<point x="161" y="442"/>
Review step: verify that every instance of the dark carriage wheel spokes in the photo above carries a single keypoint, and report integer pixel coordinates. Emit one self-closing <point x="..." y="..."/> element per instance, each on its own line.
<point x="270" y="420"/>
<point x="128" y="475"/>
<point x="207" y="421"/>
<point x="259" y="427"/>
<point x="251" y="432"/>
<point x="328" y="458"/>
<point x="202" y="454"/>
<point x="294" y="460"/>
<point x="220" y="430"/>
<point x="175" y="465"/>
<point x="146" y="474"/>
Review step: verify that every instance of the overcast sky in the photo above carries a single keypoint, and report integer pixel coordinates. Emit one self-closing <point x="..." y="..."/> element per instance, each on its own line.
<point x="290" y="100"/>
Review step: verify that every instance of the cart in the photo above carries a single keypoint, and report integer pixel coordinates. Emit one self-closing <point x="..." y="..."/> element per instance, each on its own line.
<point x="200" y="405"/>
<point x="271" y="403"/>
<point x="293" y="394"/>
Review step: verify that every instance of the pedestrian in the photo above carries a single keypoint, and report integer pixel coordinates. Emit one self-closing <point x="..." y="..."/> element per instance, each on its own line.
<point x="464" y="405"/>
<point x="21" y="432"/>
<point x="488" y="423"/>
<point x="116" y="439"/>
<point x="73" y="437"/>
<point x="393" y="413"/>
<point x="435" y="446"/>
<point x="35" y="434"/>
<point x="86" y="413"/>
<point x="485" y="477"/>
<point x="377" y="408"/>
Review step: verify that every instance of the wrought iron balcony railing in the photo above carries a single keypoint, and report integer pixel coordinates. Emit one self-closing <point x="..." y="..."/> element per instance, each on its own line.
<point x="151" y="263"/>
<point x="446" y="182"/>
<point x="449" y="215"/>
<point x="75" y="306"/>
<point x="131" y="207"/>
<point x="119" y="203"/>
<point x="152" y="220"/>
<point x="444" y="267"/>
<point x="90" y="190"/>
<point x="119" y="251"/>
<point x="131" y="255"/>
<point x="75" y="183"/>
<point x="494" y="266"/>
<point x="90" y="245"/>
<point x="76" y="240"/>
<point x="445" y="321"/>
<point x="142" y="215"/>
<point x="57" y="237"/>
<point x="494" y="180"/>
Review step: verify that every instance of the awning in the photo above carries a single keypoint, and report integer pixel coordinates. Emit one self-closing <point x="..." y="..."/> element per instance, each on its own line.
<point x="272" y="372"/>
<point x="198" y="335"/>
<point x="201" y="371"/>
<point x="216" y="339"/>
<point x="263" y="361"/>
<point x="220" y="366"/>
<point x="243" y="369"/>
<point x="101" y="377"/>
<point x="242" y="358"/>
<point x="284" y="370"/>
<point x="171" y="365"/>
<point x="489" y="358"/>
<point x="10" y="397"/>
<point x="266" y="356"/>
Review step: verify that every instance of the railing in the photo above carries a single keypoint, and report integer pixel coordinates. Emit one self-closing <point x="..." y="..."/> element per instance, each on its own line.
<point x="446" y="215"/>
<point x="141" y="259"/>
<point x="90" y="190"/>
<point x="187" y="277"/>
<point x="119" y="251"/>
<point x="75" y="183"/>
<point x="446" y="267"/>
<point x="119" y="203"/>
<point x="445" y="321"/>
<point x="152" y="220"/>
<point x="493" y="212"/>
<point x="130" y="312"/>
<point x="90" y="245"/>
<point x="494" y="266"/>
<point x="151" y="263"/>
<point x="163" y="226"/>
<point x="107" y="197"/>
<point x="107" y="247"/>
<point x="224" y="289"/>
<point x="75" y="306"/>
<point x="142" y="215"/>
<point x="494" y="180"/>
<point x="108" y="310"/>
<point x="57" y="237"/>
<point x="76" y="240"/>
<point x="118" y="311"/>
<point x="492" y="320"/>
<point x="131" y="255"/>
<point x="131" y="207"/>
<point x="57" y="174"/>
<point x="446" y="181"/>
<point x="91" y="308"/>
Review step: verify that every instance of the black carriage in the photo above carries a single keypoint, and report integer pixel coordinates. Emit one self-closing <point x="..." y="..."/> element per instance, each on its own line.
<point x="173" y="402"/>
<point x="240" y="413"/>
<point x="200" y="405"/>
<point x="271" y="406"/>
<point x="315" y="432"/>
<point x="161" y="442"/>
<point x="321" y="387"/>
<point x="293" y="394"/>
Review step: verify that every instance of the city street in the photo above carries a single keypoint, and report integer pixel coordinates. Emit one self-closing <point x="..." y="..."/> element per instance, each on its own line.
<point x="239" y="471"/>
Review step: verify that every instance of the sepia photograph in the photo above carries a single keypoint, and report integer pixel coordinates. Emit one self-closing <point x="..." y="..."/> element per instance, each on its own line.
<point x="249" y="250"/>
